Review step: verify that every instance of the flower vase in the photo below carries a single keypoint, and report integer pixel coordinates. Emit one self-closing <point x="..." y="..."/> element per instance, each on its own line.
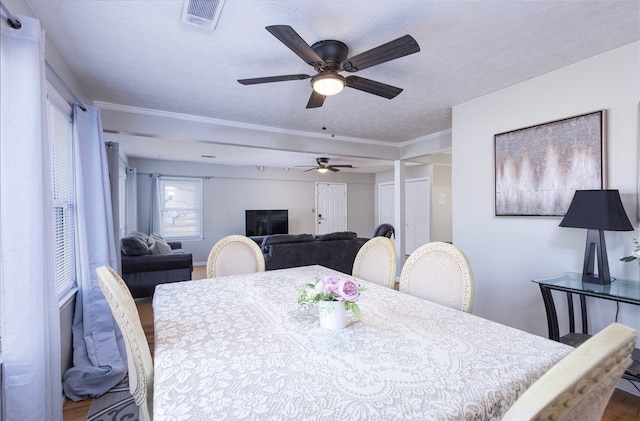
<point x="332" y="314"/>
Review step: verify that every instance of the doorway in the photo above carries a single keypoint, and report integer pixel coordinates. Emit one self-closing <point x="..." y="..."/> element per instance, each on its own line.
<point x="417" y="210"/>
<point x="331" y="206"/>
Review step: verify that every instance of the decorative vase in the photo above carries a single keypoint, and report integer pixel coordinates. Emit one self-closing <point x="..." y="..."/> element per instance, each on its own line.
<point x="332" y="314"/>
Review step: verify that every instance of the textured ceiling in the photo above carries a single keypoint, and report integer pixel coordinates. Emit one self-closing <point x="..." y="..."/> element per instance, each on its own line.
<point x="140" y="54"/>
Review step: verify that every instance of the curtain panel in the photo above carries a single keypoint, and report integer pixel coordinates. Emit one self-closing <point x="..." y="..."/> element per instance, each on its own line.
<point x="30" y="315"/>
<point x="113" y="167"/>
<point x="154" y="216"/>
<point x="131" y="200"/>
<point x="99" y="356"/>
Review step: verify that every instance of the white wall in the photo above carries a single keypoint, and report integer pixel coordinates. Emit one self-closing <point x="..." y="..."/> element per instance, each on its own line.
<point x="441" y="219"/>
<point x="507" y="252"/>
<point x="228" y="191"/>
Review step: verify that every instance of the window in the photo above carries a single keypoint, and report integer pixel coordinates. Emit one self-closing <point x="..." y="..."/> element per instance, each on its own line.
<point x="60" y="125"/>
<point x="180" y="207"/>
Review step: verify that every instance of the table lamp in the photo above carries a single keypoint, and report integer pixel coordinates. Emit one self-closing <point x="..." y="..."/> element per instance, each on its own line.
<point x="597" y="211"/>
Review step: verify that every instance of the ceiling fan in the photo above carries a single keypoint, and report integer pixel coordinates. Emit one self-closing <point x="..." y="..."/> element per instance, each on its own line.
<point x="329" y="57"/>
<point x="324" y="166"/>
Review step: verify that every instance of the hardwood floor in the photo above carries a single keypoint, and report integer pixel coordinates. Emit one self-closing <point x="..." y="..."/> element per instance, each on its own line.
<point x="623" y="406"/>
<point x="76" y="411"/>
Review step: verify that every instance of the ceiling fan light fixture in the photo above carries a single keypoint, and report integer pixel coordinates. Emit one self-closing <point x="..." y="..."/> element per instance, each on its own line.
<point x="328" y="83"/>
<point x="322" y="170"/>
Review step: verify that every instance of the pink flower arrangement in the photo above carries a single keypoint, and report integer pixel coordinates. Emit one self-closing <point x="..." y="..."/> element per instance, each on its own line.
<point x="332" y="288"/>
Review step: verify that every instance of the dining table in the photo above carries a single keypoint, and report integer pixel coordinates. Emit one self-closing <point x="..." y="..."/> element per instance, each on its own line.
<point x="241" y="347"/>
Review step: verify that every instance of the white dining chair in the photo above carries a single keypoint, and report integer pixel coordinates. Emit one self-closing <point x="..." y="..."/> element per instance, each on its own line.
<point x="234" y="255"/>
<point x="439" y="272"/>
<point x="581" y="384"/>
<point x="139" y="360"/>
<point x="376" y="261"/>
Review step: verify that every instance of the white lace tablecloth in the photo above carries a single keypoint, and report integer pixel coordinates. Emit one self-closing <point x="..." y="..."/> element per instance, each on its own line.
<point x="239" y="347"/>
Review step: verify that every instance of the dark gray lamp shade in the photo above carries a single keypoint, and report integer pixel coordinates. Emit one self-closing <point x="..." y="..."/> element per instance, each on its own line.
<point x="597" y="211"/>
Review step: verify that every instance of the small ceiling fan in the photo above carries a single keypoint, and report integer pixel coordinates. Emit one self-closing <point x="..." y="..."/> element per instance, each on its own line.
<point x="329" y="57"/>
<point x="324" y="166"/>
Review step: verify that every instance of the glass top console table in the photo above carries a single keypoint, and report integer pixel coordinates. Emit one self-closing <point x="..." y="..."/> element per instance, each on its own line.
<point x="571" y="283"/>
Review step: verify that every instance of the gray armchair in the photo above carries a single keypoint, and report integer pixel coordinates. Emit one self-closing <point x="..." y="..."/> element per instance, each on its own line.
<point x="384" y="230"/>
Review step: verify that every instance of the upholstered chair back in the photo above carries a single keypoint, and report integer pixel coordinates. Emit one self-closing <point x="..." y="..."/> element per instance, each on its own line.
<point x="234" y="255"/>
<point x="581" y="384"/>
<point x="441" y="273"/>
<point x="376" y="261"/>
<point x="139" y="359"/>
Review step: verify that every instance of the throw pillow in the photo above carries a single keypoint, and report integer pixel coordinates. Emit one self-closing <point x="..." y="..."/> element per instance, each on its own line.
<point x="134" y="246"/>
<point x="142" y="235"/>
<point x="153" y="248"/>
<point x="160" y="246"/>
<point x="158" y="236"/>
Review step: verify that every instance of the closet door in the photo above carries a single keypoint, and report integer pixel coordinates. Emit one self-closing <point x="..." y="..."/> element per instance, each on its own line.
<point x="417" y="210"/>
<point x="385" y="204"/>
<point x="417" y="213"/>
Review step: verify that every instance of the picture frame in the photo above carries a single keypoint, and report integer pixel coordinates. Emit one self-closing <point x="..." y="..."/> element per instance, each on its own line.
<point x="539" y="168"/>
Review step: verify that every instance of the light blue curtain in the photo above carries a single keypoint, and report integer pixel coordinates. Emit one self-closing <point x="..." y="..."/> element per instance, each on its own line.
<point x="131" y="201"/>
<point x="30" y="322"/>
<point x="99" y="357"/>
<point x="154" y="208"/>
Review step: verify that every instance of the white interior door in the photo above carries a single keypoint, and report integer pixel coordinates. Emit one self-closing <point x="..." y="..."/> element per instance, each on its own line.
<point x="417" y="211"/>
<point x="417" y="214"/>
<point x="386" y="212"/>
<point x="331" y="206"/>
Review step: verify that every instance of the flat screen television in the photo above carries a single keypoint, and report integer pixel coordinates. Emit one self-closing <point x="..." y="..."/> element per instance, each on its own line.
<point x="266" y="222"/>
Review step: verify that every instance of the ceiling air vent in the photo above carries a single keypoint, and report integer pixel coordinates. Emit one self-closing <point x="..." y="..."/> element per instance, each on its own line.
<point x="202" y="13"/>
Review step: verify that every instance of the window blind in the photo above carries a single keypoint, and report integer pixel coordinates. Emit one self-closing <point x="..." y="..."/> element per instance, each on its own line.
<point x="180" y="207"/>
<point x="60" y="125"/>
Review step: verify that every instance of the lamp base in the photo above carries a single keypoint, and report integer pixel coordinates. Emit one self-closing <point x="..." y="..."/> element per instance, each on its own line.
<point x="595" y="279"/>
<point x="596" y="246"/>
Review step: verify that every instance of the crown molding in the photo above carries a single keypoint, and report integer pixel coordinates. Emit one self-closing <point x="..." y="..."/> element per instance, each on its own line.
<point x="426" y="138"/>
<point x="236" y="124"/>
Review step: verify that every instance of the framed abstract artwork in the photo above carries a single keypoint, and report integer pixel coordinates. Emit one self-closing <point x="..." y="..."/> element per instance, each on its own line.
<point x="538" y="168"/>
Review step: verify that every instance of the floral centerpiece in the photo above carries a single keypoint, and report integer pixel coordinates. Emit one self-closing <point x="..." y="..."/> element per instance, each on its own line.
<point x="332" y="288"/>
<point x="636" y="252"/>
